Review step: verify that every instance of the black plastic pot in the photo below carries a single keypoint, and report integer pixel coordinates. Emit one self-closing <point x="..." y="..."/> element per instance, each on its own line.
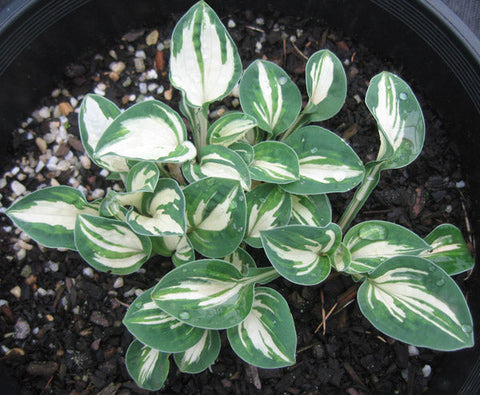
<point x="39" y="38"/>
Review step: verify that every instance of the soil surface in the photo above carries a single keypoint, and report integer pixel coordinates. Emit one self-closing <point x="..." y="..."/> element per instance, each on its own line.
<point x="61" y="322"/>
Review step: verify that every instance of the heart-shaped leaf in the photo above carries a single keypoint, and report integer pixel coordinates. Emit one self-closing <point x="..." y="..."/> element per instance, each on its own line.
<point x="148" y="367"/>
<point x="110" y="245"/>
<point x="268" y="94"/>
<point x="274" y="162"/>
<point x="96" y="114"/>
<point x="147" y="131"/>
<point x="268" y="206"/>
<point x="242" y="260"/>
<point x="326" y="85"/>
<point x="216" y="215"/>
<point x="302" y="253"/>
<point x="157" y="329"/>
<point x="210" y="294"/>
<point x="230" y="128"/>
<point x="204" y="61"/>
<point x="201" y="355"/>
<point x="48" y="215"/>
<point x="413" y="300"/>
<point x="267" y="337"/>
<point x="313" y="210"/>
<point x="142" y="177"/>
<point x="327" y="163"/>
<point x="399" y="118"/>
<point x="218" y="161"/>
<point x="448" y="249"/>
<point x="164" y="211"/>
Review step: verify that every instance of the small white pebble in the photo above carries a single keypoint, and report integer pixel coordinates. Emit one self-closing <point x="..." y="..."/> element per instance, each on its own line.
<point x="160" y="90"/>
<point x="357" y="98"/>
<point x="231" y="24"/>
<point x="52" y="266"/>
<point x="44" y="112"/>
<point x="17" y="188"/>
<point x="15" y="170"/>
<point x="117" y="67"/>
<point x="460" y="184"/>
<point x="76" y="310"/>
<point x="151" y="74"/>
<point x="140" y="54"/>
<point x="132" y="97"/>
<point x="41" y="292"/>
<point x="52" y="163"/>
<point x="3" y="302"/>
<point x="104" y="173"/>
<point x="235" y="103"/>
<point x="260" y="21"/>
<point x="99" y="92"/>
<point x="82" y="189"/>
<point x="152" y="86"/>
<point x="138" y="292"/>
<point x="63" y="165"/>
<point x="21" y="255"/>
<point x="113" y="54"/>
<point x="85" y="162"/>
<point x="346" y="62"/>
<point x="118" y="283"/>
<point x="143" y="88"/>
<point x="98" y="193"/>
<point x="73" y="102"/>
<point x="427" y="371"/>
<point x="88" y="272"/>
<point x="258" y="46"/>
<point x="56" y="93"/>
<point x="16" y="291"/>
<point x="39" y="167"/>
<point x="413" y="351"/>
<point x="448" y="209"/>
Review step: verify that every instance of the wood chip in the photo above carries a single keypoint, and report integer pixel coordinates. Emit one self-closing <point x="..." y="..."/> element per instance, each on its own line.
<point x="65" y="108"/>
<point x="159" y="62"/>
<point x="152" y="38"/>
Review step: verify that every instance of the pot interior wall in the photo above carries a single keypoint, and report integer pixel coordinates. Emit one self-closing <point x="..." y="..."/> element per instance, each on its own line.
<point x="38" y="43"/>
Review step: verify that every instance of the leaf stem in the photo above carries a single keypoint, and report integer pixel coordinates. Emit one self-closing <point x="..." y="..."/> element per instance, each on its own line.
<point x="262" y="275"/>
<point x="301" y="120"/>
<point x="370" y="181"/>
<point x="201" y="127"/>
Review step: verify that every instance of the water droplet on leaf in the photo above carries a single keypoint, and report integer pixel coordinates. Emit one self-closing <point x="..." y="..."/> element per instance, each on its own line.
<point x="403" y="96"/>
<point x="313" y="150"/>
<point x="467" y="328"/>
<point x="184" y="315"/>
<point x="282" y="80"/>
<point x="440" y="282"/>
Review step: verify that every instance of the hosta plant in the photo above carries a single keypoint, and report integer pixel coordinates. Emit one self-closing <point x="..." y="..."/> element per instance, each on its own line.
<point x="253" y="179"/>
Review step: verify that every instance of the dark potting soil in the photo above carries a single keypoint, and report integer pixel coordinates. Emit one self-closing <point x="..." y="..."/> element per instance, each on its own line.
<point x="61" y="322"/>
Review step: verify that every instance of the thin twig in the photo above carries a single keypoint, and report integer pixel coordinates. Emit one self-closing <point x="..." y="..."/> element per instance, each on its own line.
<point x="471" y="238"/>
<point x="298" y="50"/>
<point x="326" y="318"/>
<point x="47" y="385"/>
<point x="257" y="29"/>
<point x="121" y="303"/>
<point x="322" y="299"/>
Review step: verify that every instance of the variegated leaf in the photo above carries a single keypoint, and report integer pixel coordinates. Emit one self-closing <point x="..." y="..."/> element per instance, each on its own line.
<point x="157" y="329"/>
<point x="372" y="242"/>
<point x="327" y="163"/>
<point x="164" y="211"/>
<point x="230" y="128"/>
<point x="220" y="162"/>
<point x="326" y="85"/>
<point x="147" y="131"/>
<point x="268" y="206"/>
<point x="147" y="366"/>
<point x="448" y="249"/>
<point x="300" y="253"/>
<point x="48" y="215"/>
<point x="96" y="114"/>
<point x="313" y="210"/>
<point x="201" y="355"/>
<point x="110" y="245"/>
<point x="210" y="294"/>
<point x="242" y="260"/>
<point x="341" y="259"/>
<point x="413" y="300"/>
<point x="184" y="252"/>
<point x="110" y="206"/>
<point x="267" y="337"/>
<point x="204" y="61"/>
<point x="274" y="162"/>
<point x="245" y="150"/>
<point x="399" y="118"/>
<point x="216" y="216"/>
<point x="268" y="94"/>
<point x="142" y="177"/>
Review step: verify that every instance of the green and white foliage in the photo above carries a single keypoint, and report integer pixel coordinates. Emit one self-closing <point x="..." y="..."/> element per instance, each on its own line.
<point x="142" y="177"/>
<point x="110" y="245"/>
<point x="267" y="337"/>
<point x="268" y="206"/>
<point x="48" y="215"/>
<point x="201" y="355"/>
<point x="399" y="118"/>
<point x="448" y="249"/>
<point x="274" y="162"/>
<point x="96" y="115"/>
<point x="413" y="300"/>
<point x="253" y="179"/>
<point x="147" y="131"/>
<point x="314" y="210"/>
<point x="216" y="216"/>
<point x="300" y="253"/>
<point x="164" y="211"/>
<point x="327" y="163"/>
<point x="204" y="61"/>
<point x="147" y="366"/>
<point x="157" y="329"/>
<point x="268" y="94"/>
<point x="326" y="85"/>
<point x="230" y="128"/>
<point x="218" y="161"/>
<point x="209" y="293"/>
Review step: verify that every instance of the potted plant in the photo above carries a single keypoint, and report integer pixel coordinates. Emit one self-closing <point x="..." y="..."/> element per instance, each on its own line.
<point x="103" y="145"/>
